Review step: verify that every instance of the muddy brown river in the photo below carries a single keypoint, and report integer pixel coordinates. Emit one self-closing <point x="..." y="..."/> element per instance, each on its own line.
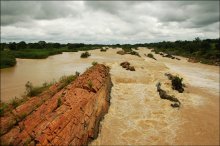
<point x="137" y="115"/>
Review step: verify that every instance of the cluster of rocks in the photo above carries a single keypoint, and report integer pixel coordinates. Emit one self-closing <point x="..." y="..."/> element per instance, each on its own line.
<point x="123" y="52"/>
<point x="168" y="56"/>
<point x="163" y="95"/>
<point x="127" y="66"/>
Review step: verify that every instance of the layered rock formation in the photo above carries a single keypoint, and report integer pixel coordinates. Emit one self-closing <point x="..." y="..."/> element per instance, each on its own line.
<point x="70" y="116"/>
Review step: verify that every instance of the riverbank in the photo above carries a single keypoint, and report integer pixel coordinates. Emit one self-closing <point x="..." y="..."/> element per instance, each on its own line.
<point x="8" y="57"/>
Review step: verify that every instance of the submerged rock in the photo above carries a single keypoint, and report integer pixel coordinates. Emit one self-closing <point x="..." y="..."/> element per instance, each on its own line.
<point x="175" y="105"/>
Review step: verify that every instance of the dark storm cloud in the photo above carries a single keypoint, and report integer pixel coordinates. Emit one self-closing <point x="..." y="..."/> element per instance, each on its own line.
<point x="108" y="21"/>
<point x="15" y="11"/>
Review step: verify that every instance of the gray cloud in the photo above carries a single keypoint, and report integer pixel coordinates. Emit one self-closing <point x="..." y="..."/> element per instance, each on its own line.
<point x="108" y="22"/>
<point x="16" y="11"/>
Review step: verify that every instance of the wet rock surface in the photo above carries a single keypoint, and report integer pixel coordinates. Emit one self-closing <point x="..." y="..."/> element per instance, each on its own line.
<point x="70" y="116"/>
<point x="163" y="95"/>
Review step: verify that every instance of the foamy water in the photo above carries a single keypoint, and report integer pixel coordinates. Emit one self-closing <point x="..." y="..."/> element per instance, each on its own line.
<point x="137" y="115"/>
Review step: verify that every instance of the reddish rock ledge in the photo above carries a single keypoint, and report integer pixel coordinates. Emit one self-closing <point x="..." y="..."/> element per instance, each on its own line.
<point x="70" y="116"/>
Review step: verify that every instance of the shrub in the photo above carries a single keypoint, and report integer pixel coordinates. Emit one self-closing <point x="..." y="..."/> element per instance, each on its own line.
<point x="15" y="102"/>
<point x="134" y="53"/>
<point x="65" y="80"/>
<point x="77" y="73"/>
<point x="177" y="84"/>
<point x="94" y="63"/>
<point x="103" y="50"/>
<point x="7" y="59"/>
<point x="34" y="91"/>
<point x="150" y="55"/>
<point x="3" y="107"/>
<point x="85" y="55"/>
<point x="90" y="84"/>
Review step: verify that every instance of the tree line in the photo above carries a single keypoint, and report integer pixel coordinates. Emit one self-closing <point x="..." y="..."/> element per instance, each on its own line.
<point x="205" y="51"/>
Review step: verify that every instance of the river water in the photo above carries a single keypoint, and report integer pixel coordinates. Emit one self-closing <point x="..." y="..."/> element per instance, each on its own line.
<point x="38" y="71"/>
<point x="137" y="115"/>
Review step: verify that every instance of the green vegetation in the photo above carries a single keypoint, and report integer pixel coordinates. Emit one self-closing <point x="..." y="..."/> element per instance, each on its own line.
<point x="30" y="91"/>
<point x="23" y="115"/>
<point x="39" y="50"/>
<point x="15" y="102"/>
<point x="77" y="73"/>
<point x="3" y="108"/>
<point x="36" y="53"/>
<point x="34" y="91"/>
<point x="90" y="84"/>
<point x="65" y="80"/>
<point x="94" y="63"/>
<point x="205" y="51"/>
<point x="7" y="59"/>
<point x="150" y="55"/>
<point x="128" y="50"/>
<point x="177" y="84"/>
<point x="59" y="102"/>
<point x="85" y="55"/>
<point x="103" y="50"/>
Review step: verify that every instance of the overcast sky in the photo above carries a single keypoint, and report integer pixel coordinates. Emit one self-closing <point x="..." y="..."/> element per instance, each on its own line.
<point x="108" y="22"/>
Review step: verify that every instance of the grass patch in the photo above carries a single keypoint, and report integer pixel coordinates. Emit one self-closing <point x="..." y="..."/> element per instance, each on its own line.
<point x="150" y="55"/>
<point x="3" y="108"/>
<point x="85" y="55"/>
<point x="34" y="91"/>
<point x="36" y="53"/>
<point x="94" y="63"/>
<point x="90" y="84"/>
<point x="66" y="80"/>
<point x="59" y="102"/>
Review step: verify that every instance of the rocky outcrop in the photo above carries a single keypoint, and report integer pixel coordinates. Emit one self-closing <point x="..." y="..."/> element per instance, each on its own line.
<point x="127" y="66"/>
<point x="163" y="95"/>
<point x="70" y="116"/>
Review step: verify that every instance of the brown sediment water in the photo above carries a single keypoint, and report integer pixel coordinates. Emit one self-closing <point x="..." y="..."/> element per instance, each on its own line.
<point x="137" y="115"/>
<point x="38" y="71"/>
